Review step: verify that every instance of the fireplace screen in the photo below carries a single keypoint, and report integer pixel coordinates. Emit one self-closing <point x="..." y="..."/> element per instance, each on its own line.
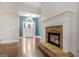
<point x="54" y="38"/>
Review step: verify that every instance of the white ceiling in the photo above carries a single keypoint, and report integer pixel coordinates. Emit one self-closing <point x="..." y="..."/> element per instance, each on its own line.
<point x="31" y="7"/>
<point x="33" y="4"/>
<point x="36" y="5"/>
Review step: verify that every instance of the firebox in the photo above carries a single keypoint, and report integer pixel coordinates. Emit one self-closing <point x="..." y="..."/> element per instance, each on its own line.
<point x="54" y="38"/>
<point x="54" y="35"/>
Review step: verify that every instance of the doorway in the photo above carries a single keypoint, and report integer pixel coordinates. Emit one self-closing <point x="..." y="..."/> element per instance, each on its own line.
<point x="28" y="25"/>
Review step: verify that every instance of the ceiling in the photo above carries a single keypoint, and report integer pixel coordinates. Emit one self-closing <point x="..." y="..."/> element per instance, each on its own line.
<point x="33" y="7"/>
<point x="36" y="5"/>
<point x="33" y="4"/>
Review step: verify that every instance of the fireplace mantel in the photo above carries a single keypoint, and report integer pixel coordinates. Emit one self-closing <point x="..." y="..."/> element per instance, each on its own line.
<point x="55" y="29"/>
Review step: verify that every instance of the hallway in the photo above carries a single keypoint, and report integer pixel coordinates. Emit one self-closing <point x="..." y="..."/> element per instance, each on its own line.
<point x="28" y="48"/>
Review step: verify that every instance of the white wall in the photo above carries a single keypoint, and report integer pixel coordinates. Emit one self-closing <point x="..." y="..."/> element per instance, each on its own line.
<point x="9" y="27"/>
<point x="62" y="14"/>
<point x="54" y="8"/>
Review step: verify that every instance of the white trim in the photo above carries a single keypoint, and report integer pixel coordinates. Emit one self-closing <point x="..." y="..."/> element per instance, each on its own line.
<point x="58" y="15"/>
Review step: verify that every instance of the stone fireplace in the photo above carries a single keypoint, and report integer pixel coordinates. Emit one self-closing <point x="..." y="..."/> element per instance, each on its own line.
<point x="54" y="35"/>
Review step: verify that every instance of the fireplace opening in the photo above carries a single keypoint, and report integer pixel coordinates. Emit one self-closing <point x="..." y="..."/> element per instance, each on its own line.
<point x="54" y="38"/>
<point x="54" y="35"/>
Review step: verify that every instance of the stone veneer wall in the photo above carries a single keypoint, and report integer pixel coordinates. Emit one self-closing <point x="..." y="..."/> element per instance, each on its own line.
<point x="55" y="29"/>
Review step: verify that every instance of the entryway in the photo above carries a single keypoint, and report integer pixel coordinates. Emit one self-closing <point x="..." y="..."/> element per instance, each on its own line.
<point x="29" y="25"/>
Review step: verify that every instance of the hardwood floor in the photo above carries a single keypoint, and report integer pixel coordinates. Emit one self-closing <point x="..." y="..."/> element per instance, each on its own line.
<point x="9" y="49"/>
<point x="25" y="47"/>
<point x="29" y="49"/>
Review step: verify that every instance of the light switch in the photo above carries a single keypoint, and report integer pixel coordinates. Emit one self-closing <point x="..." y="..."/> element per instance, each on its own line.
<point x="13" y="27"/>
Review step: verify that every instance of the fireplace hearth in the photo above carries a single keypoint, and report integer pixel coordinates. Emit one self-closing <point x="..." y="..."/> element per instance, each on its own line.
<point x="54" y="35"/>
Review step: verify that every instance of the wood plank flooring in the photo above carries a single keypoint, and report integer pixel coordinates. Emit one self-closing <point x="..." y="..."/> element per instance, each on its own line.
<point x="29" y="49"/>
<point x="9" y="49"/>
<point x="25" y="47"/>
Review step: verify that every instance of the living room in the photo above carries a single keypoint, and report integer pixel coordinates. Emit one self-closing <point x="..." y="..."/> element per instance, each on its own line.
<point x="58" y="27"/>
